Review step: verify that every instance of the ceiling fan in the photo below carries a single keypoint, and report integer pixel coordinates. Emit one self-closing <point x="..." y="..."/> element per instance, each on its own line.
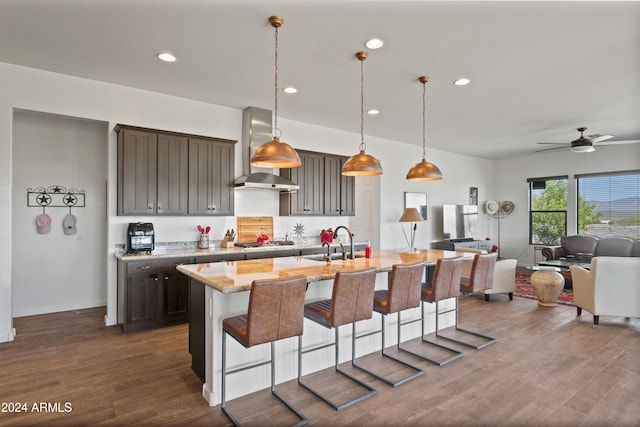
<point x="585" y="144"/>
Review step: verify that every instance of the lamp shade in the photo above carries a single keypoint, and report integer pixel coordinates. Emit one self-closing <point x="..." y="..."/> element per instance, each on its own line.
<point x="424" y="171"/>
<point x="362" y="164"/>
<point x="275" y="154"/>
<point x="411" y="215"/>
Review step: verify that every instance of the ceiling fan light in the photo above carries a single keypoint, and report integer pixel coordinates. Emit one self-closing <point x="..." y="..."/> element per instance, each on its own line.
<point x="424" y="171"/>
<point x="583" y="149"/>
<point x="275" y="154"/>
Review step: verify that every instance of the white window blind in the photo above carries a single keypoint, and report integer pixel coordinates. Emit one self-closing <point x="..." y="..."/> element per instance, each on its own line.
<point x="609" y="204"/>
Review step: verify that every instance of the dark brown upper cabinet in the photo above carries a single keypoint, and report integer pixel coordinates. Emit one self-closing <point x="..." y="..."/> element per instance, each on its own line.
<point x="210" y="177"/>
<point x="323" y="190"/>
<point x="309" y="198"/>
<point x="339" y="190"/>
<point x="170" y="173"/>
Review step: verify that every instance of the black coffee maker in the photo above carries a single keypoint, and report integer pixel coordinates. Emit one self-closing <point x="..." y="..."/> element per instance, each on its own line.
<point x="140" y="237"/>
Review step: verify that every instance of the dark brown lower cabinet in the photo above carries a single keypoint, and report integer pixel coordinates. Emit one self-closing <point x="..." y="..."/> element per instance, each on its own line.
<point x="153" y="294"/>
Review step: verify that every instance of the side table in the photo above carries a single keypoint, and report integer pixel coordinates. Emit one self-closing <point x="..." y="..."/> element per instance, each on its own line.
<point x="547" y="285"/>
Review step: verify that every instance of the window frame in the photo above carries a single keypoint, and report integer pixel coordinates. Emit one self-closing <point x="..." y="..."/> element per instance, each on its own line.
<point x="531" y="183"/>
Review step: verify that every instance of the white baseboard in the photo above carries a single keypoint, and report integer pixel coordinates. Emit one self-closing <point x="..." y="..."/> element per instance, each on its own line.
<point x="33" y="311"/>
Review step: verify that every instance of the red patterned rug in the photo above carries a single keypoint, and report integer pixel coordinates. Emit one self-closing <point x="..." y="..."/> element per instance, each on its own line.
<point x="524" y="289"/>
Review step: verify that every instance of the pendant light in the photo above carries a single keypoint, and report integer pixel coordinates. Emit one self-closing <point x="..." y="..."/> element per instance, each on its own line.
<point x="424" y="171"/>
<point x="276" y="153"/>
<point x="362" y="164"/>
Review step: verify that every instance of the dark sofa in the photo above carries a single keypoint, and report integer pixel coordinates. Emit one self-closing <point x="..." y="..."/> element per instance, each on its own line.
<point x="582" y="248"/>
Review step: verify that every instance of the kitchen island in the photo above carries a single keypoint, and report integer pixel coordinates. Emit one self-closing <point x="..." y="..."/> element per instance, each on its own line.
<point x="219" y="290"/>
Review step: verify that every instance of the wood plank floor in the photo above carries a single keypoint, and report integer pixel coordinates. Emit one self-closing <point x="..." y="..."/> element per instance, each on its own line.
<point x="549" y="367"/>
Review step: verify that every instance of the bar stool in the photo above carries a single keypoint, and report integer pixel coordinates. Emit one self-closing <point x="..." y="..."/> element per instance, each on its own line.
<point x="445" y="285"/>
<point x="351" y="301"/>
<point x="402" y="293"/>
<point x="276" y="311"/>
<point x="480" y="279"/>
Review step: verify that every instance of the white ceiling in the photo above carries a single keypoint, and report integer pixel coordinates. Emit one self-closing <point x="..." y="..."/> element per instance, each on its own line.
<point x="538" y="70"/>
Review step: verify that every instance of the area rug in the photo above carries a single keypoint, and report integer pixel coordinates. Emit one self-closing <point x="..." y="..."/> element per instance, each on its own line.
<point x="524" y="290"/>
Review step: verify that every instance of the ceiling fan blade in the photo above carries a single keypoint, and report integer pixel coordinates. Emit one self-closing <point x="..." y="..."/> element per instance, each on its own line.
<point x="619" y="142"/>
<point x="599" y="137"/>
<point x="553" y="148"/>
<point x="554" y="143"/>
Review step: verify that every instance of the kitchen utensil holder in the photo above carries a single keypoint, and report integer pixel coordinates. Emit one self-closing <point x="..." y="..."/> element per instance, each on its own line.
<point x="203" y="243"/>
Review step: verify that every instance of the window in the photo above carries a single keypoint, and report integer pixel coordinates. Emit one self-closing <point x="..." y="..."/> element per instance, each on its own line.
<point x="609" y="204"/>
<point x="547" y="210"/>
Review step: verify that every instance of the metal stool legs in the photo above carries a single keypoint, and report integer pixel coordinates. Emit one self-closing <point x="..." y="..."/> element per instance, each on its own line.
<point x="271" y="361"/>
<point x="488" y="340"/>
<point x="455" y="353"/>
<point x="337" y="406"/>
<point x="418" y="372"/>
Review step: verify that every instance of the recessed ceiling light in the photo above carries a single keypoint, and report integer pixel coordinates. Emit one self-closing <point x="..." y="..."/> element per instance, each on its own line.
<point x="373" y="112"/>
<point x="290" y="90"/>
<point x="462" y="81"/>
<point x="166" y="57"/>
<point x="374" y="44"/>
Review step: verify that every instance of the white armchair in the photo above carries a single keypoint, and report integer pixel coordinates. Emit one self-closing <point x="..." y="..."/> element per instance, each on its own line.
<point x="610" y="288"/>
<point x="504" y="279"/>
<point x="504" y="276"/>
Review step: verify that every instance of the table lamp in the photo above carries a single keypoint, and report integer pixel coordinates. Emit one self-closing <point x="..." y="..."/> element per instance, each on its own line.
<point x="411" y="215"/>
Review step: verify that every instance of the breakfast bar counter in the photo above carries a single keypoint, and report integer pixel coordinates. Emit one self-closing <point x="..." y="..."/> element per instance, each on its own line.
<point x="219" y="290"/>
<point x="236" y="276"/>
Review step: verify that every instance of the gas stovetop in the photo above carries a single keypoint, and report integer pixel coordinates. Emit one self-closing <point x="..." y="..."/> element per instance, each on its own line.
<point x="264" y="244"/>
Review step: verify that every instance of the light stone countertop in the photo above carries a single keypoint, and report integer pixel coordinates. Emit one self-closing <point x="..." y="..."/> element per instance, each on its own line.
<point x="190" y="249"/>
<point x="236" y="276"/>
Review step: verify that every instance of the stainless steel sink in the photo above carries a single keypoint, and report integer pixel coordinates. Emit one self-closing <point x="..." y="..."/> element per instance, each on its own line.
<point x="334" y="257"/>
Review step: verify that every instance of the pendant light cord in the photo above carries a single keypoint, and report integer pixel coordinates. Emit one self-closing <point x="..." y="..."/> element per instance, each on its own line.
<point x="362" y="144"/>
<point x="424" y="128"/>
<point x="275" y="109"/>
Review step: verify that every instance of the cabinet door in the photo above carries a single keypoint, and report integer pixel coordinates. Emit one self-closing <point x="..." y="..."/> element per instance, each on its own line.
<point x="347" y="192"/>
<point x="210" y="177"/>
<point x="144" y="302"/>
<point x="173" y="175"/>
<point x="332" y="184"/>
<point x="176" y="298"/>
<point x="222" y="159"/>
<point x="339" y="190"/>
<point x="309" y="199"/>
<point x="137" y="164"/>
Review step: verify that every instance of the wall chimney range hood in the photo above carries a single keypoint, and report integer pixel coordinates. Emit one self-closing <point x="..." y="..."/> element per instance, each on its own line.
<point x="256" y="130"/>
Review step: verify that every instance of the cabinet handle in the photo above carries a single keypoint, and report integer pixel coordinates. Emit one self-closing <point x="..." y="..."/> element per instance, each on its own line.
<point x="155" y="278"/>
<point x="159" y="208"/>
<point x="166" y="277"/>
<point x="150" y="207"/>
<point x="144" y="267"/>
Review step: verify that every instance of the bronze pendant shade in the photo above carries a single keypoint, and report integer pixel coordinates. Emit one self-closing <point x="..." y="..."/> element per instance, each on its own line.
<point x="362" y="164"/>
<point x="424" y="171"/>
<point x="276" y="153"/>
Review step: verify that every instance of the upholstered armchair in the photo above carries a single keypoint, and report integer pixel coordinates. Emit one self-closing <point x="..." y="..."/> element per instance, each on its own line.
<point x="570" y="246"/>
<point x="504" y="274"/>
<point x="610" y="288"/>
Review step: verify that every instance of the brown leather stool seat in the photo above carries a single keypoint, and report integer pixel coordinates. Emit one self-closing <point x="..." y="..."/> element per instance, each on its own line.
<point x="351" y="301"/>
<point x="402" y="293"/>
<point x="276" y="311"/>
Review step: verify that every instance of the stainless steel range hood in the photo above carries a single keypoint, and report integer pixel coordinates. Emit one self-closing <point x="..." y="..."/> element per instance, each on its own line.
<point x="256" y="130"/>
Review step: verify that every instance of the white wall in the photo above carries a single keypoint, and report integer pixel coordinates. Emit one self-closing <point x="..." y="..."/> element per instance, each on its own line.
<point x="34" y="90"/>
<point x="510" y="184"/>
<point x="57" y="272"/>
